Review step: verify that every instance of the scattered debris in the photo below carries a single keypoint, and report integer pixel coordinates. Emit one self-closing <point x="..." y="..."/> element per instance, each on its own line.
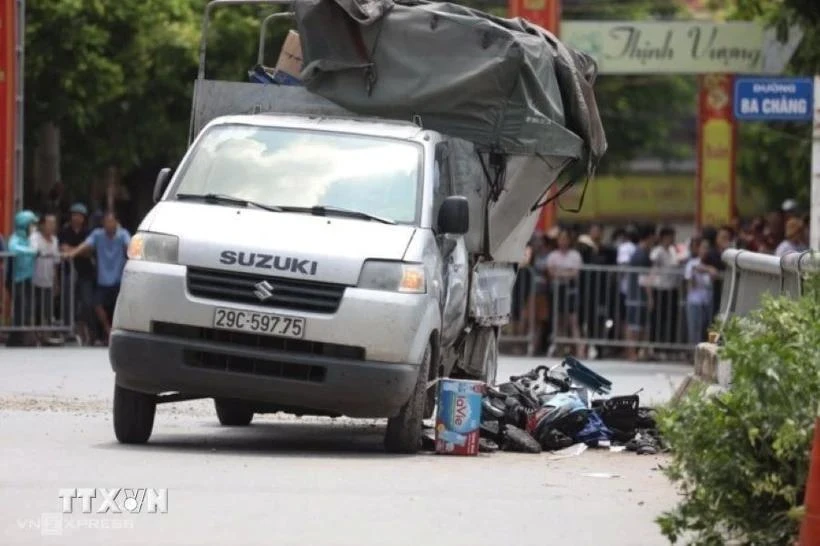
<point x="567" y="453"/>
<point x="515" y="439"/>
<point x="600" y="475"/>
<point x="487" y="446"/>
<point x="644" y="443"/>
<point x="553" y="409"/>
<point x="548" y="409"/>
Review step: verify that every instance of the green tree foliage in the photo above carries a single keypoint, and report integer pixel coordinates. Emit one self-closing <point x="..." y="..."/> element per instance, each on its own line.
<point x="741" y="458"/>
<point x="117" y="77"/>
<point x="92" y="67"/>
<point x="776" y="157"/>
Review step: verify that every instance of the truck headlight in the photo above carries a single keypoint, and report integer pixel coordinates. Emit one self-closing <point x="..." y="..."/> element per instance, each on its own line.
<point x="154" y="247"/>
<point x="393" y="277"/>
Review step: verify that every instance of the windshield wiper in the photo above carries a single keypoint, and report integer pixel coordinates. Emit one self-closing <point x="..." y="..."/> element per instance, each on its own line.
<point x="318" y="210"/>
<point x="227" y="200"/>
<point x="323" y="210"/>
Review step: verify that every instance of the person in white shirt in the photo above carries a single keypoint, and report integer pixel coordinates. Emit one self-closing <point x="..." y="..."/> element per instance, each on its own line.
<point x="564" y="266"/>
<point x="699" y="299"/>
<point x="625" y="250"/>
<point x="666" y="287"/>
<point x="44" y="241"/>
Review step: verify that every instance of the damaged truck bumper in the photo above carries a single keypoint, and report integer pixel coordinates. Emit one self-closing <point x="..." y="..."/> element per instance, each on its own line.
<point x="286" y="380"/>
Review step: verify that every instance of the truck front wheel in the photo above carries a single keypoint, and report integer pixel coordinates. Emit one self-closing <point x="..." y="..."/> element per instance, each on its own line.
<point x="133" y="415"/>
<point x="403" y="434"/>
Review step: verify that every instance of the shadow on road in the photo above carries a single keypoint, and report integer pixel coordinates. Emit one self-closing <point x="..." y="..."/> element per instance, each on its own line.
<point x="306" y="440"/>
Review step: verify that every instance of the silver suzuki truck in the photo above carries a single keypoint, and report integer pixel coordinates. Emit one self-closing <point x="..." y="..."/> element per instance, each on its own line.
<point x="292" y="264"/>
<point x="316" y="259"/>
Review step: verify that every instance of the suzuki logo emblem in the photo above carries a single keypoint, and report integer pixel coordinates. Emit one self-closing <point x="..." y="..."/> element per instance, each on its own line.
<point x="264" y="290"/>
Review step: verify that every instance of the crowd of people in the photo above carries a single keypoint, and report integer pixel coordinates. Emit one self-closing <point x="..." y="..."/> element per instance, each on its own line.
<point x="640" y="294"/>
<point x="58" y="263"/>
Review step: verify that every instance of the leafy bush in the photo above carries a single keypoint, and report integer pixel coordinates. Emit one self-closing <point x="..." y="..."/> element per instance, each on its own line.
<point x="741" y="458"/>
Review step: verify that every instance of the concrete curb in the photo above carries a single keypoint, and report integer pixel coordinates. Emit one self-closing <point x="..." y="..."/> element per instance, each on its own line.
<point x="710" y="371"/>
<point x="709" y="367"/>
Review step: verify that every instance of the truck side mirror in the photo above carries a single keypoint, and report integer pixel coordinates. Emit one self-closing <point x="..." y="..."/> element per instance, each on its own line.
<point x="161" y="184"/>
<point x="454" y="215"/>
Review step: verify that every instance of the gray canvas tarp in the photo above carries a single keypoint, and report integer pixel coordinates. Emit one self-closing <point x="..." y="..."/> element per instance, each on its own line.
<point x="502" y="84"/>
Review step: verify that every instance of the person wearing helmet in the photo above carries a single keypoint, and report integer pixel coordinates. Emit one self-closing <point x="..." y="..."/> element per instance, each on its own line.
<point x="20" y="274"/>
<point x="73" y="235"/>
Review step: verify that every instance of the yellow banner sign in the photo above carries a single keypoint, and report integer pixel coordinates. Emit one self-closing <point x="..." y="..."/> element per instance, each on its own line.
<point x="717" y="168"/>
<point x="635" y="198"/>
<point x="679" y="47"/>
<point x="716" y="151"/>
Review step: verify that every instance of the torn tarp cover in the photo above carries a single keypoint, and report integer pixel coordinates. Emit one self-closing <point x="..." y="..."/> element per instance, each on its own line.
<point x="503" y="84"/>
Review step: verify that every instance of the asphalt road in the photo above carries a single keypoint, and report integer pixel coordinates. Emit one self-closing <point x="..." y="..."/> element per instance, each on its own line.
<point x="309" y="481"/>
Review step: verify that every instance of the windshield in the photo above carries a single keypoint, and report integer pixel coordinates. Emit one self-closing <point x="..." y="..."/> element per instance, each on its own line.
<point x="303" y="168"/>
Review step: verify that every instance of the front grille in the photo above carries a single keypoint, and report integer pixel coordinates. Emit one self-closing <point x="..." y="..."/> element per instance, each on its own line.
<point x="254" y="341"/>
<point x="254" y="366"/>
<point x="298" y="295"/>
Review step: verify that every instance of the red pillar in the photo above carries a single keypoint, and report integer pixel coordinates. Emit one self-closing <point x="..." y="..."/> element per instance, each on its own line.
<point x="7" y="117"/>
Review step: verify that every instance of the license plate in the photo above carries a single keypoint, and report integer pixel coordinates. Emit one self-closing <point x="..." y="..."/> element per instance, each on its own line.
<point x="259" y="323"/>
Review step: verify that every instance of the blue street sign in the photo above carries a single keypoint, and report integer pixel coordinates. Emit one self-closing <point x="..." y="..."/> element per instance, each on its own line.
<point x="774" y="99"/>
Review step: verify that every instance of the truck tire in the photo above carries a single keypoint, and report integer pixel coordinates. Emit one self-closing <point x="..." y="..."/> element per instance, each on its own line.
<point x="133" y="415"/>
<point x="403" y="434"/>
<point x="233" y="413"/>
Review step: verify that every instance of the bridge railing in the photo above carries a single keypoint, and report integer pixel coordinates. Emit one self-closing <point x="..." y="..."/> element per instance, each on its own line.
<point x="750" y="275"/>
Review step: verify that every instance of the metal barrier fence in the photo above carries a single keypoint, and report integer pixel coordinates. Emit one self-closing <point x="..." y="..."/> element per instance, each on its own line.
<point x="527" y="313"/>
<point x="751" y="275"/>
<point x="36" y="296"/>
<point x="610" y="309"/>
